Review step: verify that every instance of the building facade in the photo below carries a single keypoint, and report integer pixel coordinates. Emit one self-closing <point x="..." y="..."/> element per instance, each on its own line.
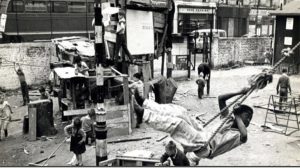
<point x="287" y="34"/>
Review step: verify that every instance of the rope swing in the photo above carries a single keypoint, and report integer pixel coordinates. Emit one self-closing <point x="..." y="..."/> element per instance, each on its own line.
<point x="258" y="81"/>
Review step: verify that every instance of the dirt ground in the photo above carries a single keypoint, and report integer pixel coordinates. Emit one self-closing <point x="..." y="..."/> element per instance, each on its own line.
<point x="263" y="148"/>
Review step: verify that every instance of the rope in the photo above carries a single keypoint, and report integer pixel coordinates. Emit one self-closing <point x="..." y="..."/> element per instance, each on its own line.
<point x="225" y="108"/>
<point x="229" y="116"/>
<point x="260" y="81"/>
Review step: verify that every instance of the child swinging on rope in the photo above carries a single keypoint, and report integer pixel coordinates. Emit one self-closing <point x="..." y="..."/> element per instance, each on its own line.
<point x="191" y="135"/>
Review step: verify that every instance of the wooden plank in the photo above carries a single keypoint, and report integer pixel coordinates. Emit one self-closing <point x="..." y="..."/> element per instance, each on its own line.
<point x="128" y="158"/>
<point x="109" y="84"/>
<point x="73" y="94"/>
<point x="85" y="111"/>
<point x="109" y="162"/>
<point x="76" y="112"/>
<point x="146" y="77"/>
<point x="32" y="113"/>
<point x="131" y="115"/>
<point x="128" y="140"/>
<point x="126" y="101"/>
<point x="40" y="161"/>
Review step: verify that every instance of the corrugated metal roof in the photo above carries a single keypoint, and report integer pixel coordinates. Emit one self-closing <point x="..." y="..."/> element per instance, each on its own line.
<point x="292" y="8"/>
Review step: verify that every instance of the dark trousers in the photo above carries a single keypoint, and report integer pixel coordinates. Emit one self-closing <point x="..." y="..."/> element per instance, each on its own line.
<point x="283" y="93"/>
<point x="90" y="134"/>
<point x="121" y="42"/>
<point x="25" y="94"/>
<point x="139" y="111"/>
<point x="200" y="92"/>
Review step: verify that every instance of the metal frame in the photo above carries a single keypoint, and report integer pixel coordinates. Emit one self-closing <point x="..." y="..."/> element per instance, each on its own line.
<point x="283" y="111"/>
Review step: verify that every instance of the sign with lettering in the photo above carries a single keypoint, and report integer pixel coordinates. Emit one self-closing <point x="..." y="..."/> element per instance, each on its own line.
<point x="2" y="22"/>
<point x="159" y="3"/>
<point x="261" y="12"/>
<point x="140" y="32"/>
<point x="195" y="10"/>
<point x="289" y="23"/>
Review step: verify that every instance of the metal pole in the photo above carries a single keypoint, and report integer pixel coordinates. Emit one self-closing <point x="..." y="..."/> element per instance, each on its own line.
<point x="100" y="127"/>
<point x="195" y="50"/>
<point x="169" y="37"/>
<point x="256" y="19"/>
<point x="211" y="35"/>
<point x="189" y="60"/>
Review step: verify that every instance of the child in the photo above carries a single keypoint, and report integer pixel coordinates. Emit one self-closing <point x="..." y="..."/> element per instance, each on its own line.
<point x="201" y="84"/>
<point x="24" y="86"/>
<point x="44" y="94"/>
<point x="191" y="135"/>
<point x="121" y="39"/>
<point x="77" y="139"/>
<point x="137" y="89"/>
<point x="177" y="156"/>
<point x="81" y="66"/>
<point x="88" y="125"/>
<point x="283" y="86"/>
<point x="5" y="115"/>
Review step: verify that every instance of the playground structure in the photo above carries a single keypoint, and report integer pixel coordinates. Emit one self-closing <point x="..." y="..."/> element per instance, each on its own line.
<point x="285" y="113"/>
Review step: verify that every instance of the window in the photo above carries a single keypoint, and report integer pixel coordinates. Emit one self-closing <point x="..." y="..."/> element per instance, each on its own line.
<point x="77" y="7"/>
<point x="15" y="6"/>
<point x="91" y="7"/>
<point x="36" y="6"/>
<point x="59" y="7"/>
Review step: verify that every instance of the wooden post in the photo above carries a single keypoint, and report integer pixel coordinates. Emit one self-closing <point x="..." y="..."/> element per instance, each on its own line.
<point x="208" y="85"/>
<point x="146" y="76"/>
<point x="162" y="63"/>
<point x="169" y="63"/>
<point x="126" y="102"/>
<point x="73" y="94"/>
<point x="189" y="59"/>
<point x="32" y="123"/>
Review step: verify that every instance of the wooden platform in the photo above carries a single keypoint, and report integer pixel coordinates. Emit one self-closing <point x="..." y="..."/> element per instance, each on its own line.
<point x="129" y="161"/>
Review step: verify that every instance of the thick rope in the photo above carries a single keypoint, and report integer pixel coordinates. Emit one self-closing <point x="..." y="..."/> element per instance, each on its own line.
<point x="260" y="83"/>
<point x="225" y="108"/>
<point x="229" y="116"/>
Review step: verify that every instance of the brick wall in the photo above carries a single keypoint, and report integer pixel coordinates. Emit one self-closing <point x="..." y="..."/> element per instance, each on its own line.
<point x="235" y="49"/>
<point x="34" y="59"/>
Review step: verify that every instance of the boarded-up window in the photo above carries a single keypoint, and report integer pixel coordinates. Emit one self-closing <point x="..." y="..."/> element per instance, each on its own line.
<point x="36" y="7"/>
<point x="91" y="7"/>
<point x="15" y="6"/>
<point x="59" y="7"/>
